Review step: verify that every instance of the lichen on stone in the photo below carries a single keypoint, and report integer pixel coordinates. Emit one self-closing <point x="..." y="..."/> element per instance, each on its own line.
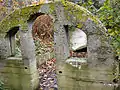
<point x="17" y="18"/>
<point x="52" y="8"/>
<point x="78" y="14"/>
<point x="74" y="13"/>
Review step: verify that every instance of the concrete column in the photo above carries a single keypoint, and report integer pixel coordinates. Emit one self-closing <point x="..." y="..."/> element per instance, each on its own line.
<point x="29" y="59"/>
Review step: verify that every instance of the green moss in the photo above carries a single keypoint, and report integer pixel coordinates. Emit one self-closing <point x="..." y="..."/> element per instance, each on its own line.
<point x="17" y="18"/>
<point x="74" y="13"/>
<point x="52" y="8"/>
<point x="78" y="14"/>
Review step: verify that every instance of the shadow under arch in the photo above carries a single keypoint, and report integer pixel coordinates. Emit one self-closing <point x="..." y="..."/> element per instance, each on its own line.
<point x="11" y="38"/>
<point x="33" y="17"/>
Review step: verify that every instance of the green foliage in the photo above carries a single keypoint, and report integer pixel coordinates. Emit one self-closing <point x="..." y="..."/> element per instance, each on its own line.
<point x="88" y="4"/>
<point x="109" y="14"/>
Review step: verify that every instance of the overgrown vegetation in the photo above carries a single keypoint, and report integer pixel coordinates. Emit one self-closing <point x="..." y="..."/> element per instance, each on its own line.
<point x="108" y="11"/>
<point x="109" y="14"/>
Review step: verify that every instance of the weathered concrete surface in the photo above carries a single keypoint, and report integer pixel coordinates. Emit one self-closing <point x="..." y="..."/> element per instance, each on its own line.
<point x="100" y="52"/>
<point x="100" y="61"/>
<point x="99" y="68"/>
<point x="28" y="55"/>
<point x="17" y="76"/>
<point x="72" y="78"/>
<point x="4" y="48"/>
<point x="19" y="73"/>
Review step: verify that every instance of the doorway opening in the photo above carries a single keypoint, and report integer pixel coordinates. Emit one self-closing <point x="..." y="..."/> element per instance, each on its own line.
<point x="42" y="31"/>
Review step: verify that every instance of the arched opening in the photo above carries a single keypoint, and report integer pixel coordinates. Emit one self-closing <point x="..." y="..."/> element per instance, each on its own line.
<point x="14" y="41"/>
<point x="42" y="31"/>
<point x="77" y="41"/>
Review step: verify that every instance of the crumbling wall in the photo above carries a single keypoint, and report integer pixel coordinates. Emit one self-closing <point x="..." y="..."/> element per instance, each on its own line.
<point x="96" y="73"/>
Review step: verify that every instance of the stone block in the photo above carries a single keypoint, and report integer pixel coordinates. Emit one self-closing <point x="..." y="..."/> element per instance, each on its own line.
<point x="19" y="77"/>
<point x="71" y="78"/>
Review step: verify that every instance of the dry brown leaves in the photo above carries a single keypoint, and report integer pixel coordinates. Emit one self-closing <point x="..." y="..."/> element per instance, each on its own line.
<point x="43" y="28"/>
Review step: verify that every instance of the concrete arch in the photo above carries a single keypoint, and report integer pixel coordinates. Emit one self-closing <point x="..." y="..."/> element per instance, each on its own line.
<point x="100" y="55"/>
<point x="74" y="14"/>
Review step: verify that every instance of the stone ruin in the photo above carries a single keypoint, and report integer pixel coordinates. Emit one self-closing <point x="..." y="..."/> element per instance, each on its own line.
<point x="20" y="73"/>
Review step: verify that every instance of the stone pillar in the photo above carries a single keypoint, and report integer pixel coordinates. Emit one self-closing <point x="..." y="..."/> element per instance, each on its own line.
<point x="60" y="36"/>
<point x="60" y="42"/>
<point x="29" y="59"/>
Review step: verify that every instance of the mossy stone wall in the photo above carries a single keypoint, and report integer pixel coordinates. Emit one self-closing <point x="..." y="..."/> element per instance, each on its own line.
<point x="97" y="72"/>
